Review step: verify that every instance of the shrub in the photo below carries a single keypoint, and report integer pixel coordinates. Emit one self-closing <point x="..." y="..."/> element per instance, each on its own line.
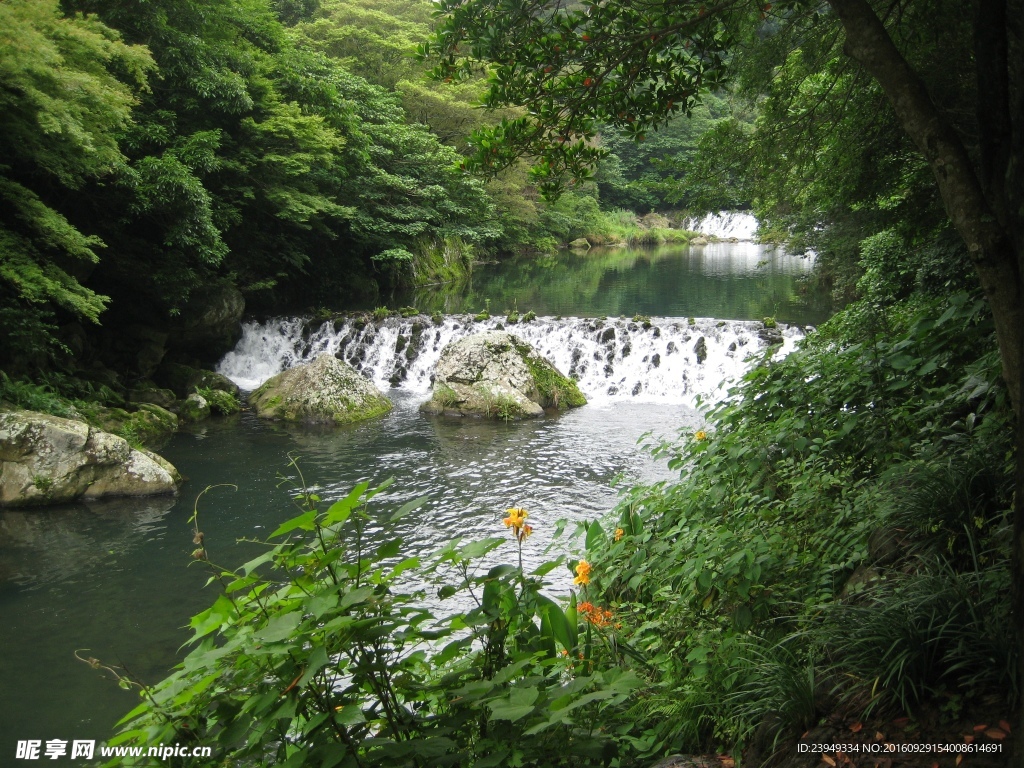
<point x="316" y="654"/>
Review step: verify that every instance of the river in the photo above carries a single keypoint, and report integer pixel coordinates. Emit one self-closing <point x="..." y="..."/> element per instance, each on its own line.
<point x="115" y="578"/>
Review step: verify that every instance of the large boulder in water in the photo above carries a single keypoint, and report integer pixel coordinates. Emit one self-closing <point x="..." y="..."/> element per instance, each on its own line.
<point x="324" y="391"/>
<point x="48" y="460"/>
<point x="497" y="375"/>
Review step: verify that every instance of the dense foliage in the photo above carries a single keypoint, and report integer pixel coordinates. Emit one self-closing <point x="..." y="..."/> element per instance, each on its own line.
<point x="838" y="543"/>
<point x="150" y="151"/>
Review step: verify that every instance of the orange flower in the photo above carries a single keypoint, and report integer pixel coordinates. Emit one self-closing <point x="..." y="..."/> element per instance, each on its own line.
<point x="619" y="533"/>
<point x="582" y="573"/>
<point x="599" y="617"/>
<point x="524" y="532"/>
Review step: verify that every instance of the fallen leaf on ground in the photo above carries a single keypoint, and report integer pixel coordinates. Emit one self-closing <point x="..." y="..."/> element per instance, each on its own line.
<point x="856" y="727"/>
<point x="969" y="739"/>
<point x="981" y="727"/>
<point x="879" y="736"/>
<point x="959" y="759"/>
<point x="995" y="733"/>
<point x="1005" y="726"/>
<point x="829" y="760"/>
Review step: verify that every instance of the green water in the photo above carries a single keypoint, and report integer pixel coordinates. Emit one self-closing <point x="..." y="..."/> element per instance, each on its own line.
<point x="735" y="281"/>
<point x="116" y="578"/>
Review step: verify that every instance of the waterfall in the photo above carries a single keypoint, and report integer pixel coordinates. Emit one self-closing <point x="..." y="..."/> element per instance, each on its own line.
<point x="725" y="225"/>
<point x="668" y="360"/>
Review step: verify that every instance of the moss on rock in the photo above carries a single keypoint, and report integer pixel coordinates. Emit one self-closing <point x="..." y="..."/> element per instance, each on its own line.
<point x="497" y="375"/>
<point x="324" y="391"/>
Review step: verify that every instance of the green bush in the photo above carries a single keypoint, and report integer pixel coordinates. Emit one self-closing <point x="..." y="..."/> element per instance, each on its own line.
<point x="750" y="586"/>
<point x="315" y="653"/>
<point x="33" y="397"/>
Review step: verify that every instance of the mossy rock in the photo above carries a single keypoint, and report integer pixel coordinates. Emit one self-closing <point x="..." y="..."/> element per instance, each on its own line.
<point x="193" y="408"/>
<point x="221" y="403"/>
<point x="326" y="391"/>
<point x="497" y="375"/>
<point x="183" y="380"/>
<point x="148" y="392"/>
<point x="153" y="423"/>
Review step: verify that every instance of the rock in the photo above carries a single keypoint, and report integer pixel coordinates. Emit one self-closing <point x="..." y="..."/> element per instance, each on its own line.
<point x="154" y="422"/>
<point x="150" y="393"/>
<point x="770" y="336"/>
<point x="699" y="241"/>
<point x="210" y="323"/>
<point x="193" y="408"/>
<point x="885" y="545"/>
<point x="108" y="419"/>
<point x="861" y="579"/>
<point x="149" y="424"/>
<point x="324" y="391"/>
<point x="183" y="380"/>
<point x="498" y="375"/>
<point x="580" y="244"/>
<point x="221" y="403"/>
<point x="48" y="460"/>
<point x="687" y="761"/>
<point x="701" y="350"/>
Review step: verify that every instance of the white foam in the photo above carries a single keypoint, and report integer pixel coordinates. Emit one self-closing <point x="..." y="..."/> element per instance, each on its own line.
<point x="612" y="359"/>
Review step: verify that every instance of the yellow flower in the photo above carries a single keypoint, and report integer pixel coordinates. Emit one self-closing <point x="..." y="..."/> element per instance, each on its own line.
<point x="582" y="573"/>
<point x="700" y="436"/>
<point x="515" y="518"/>
<point x="619" y="533"/>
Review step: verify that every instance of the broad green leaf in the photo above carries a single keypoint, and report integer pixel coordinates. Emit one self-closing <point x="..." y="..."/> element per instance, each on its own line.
<point x="340" y="510"/>
<point x="411" y="506"/>
<point x="306" y="522"/>
<point x="317" y="660"/>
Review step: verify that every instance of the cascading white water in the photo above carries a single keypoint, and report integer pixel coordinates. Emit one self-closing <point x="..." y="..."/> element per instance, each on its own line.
<point x="660" y="361"/>
<point x="725" y="224"/>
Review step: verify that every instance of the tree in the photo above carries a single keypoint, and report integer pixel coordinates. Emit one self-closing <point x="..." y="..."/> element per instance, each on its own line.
<point x="635" y="65"/>
<point x="67" y="87"/>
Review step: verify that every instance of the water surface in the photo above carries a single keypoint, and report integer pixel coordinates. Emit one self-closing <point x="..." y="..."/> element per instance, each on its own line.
<point x="115" y="577"/>
<point x="736" y="281"/>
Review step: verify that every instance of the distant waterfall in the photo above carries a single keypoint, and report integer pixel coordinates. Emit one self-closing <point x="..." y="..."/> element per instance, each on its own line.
<point x="667" y="360"/>
<point x="725" y="224"/>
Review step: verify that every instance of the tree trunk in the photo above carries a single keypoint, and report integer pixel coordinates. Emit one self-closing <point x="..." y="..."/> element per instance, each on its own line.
<point x="986" y="206"/>
<point x="990" y="244"/>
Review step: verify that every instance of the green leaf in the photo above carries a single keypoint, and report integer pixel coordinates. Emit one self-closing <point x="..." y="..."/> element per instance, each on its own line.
<point x="279" y="628"/>
<point x="306" y="522"/>
<point x="518" y="704"/>
<point x="317" y="660"/>
<point x="477" y="549"/>
<point x="411" y="506"/>
<point x="355" y="596"/>
<point x="349" y="715"/>
<point x="595" y="536"/>
<point x="389" y="549"/>
<point x="340" y="510"/>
